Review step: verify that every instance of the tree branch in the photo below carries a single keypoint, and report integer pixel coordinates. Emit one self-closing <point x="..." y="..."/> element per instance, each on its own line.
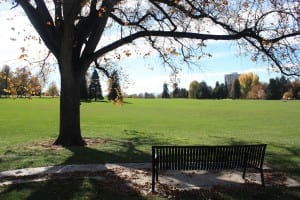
<point x="141" y="34"/>
<point x="44" y="28"/>
<point x="98" y="27"/>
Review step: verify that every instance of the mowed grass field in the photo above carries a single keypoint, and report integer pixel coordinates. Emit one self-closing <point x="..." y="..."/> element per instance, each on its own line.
<point x="128" y="131"/>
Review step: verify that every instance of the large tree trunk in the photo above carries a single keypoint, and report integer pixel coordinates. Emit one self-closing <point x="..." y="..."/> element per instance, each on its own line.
<point x="69" y="128"/>
<point x="70" y="71"/>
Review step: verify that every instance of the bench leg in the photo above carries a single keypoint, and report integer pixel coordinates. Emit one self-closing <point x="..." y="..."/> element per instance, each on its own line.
<point x="153" y="181"/>
<point x="244" y="173"/>
<point x="262" y="178"/>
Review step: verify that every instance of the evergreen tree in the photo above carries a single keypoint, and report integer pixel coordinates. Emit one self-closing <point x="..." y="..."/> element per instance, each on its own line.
<point x="95" y="91"/>
<point x="217" y="91"/>
<point x="176" y="91"/>
<point x="223" y="91"/>
<point x="204" y="91"/>
<point x="183" y="93"/>
<point x="83" y="90"/>
<point x="235" y="92"/>
<point x="115" y="93"/>
<point x="165" y="93"/>
<point x="274" y="90"/>
<point x="283" y="84"/>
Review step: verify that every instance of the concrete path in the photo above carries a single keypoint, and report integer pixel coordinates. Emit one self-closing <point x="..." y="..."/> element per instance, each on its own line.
<point x="138" y="175"/>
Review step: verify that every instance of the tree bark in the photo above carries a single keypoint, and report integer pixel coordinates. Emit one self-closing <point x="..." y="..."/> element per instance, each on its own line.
<point x="69" y="127"/>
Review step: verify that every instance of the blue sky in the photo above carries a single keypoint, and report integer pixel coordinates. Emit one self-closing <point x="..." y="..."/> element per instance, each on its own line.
<point x="149" y="74"/>
<point x="145" y="74"/>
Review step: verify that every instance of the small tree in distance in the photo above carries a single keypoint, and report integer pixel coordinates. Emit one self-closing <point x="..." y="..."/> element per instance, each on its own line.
<point x="5" y="76"/>
<point x="84" y="96"/>
<point x="52" y="90"/>
<point x="193" y="89"/>
<point x="235" y="92"/>
<point x="114" y="88"/>
<point x="95" y="90"/>
<point x="165" y="94"/>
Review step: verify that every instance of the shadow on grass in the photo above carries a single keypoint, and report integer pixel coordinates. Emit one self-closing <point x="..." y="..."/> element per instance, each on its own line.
<point x="118" y="188"/>
<point x="242" y="192"/>
<point x="285" y="159"/>
<point x="86" y="188"/>
<point x="278" y="157"/>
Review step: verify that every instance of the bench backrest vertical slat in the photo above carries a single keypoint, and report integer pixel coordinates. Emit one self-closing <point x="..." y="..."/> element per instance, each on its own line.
<point x="254" y="156"/>
<point x="206" y="158"/>
<point x="199" y="158"/>
<point x="176" y="150"/>
<point x="157" y="150"/>
<point x="241" y="157"/>
<point x="179" y="157"/>
<point x="184" y="158"/>
<point x="236" y="156"/>
<point x="221" y="156"/>
<point x="212" y="166"/>
<point x="259" y="155"/>
<point x="262" y="156"/>
<point x="161" y="158"/>
<point x="188" y="152"/>
<point x="172" y="159"/>
<point x="194" y="158"/>
<point x="232" y="157"/>
<point x="169" y="158"/>
<point x="190" y="156"/>
<point x="229" y="158"/>
<point x="218" y="158"/>
<point x="215" y="159"/>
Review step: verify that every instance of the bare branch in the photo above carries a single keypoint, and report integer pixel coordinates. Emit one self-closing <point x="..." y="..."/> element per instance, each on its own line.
<point x="44" y="28"/>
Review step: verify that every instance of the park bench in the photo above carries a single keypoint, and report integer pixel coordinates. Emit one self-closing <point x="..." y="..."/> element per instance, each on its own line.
<point x="207" y="158"/>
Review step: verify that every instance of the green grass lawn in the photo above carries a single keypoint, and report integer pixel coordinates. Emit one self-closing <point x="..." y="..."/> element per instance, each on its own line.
<point x="131" y="129"/>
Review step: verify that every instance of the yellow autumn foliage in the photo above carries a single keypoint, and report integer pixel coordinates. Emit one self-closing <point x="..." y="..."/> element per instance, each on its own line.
<point x="247" y="81"/>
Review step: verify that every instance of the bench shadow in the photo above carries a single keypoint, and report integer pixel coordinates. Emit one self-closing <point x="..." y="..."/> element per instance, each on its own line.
<point x="284" y="159"/>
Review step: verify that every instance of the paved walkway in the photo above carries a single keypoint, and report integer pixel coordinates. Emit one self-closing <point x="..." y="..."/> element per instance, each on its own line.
<point x="139" y="175"/>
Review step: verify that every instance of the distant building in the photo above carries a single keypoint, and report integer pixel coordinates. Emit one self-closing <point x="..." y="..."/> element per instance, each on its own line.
<point x="229" y="79"/>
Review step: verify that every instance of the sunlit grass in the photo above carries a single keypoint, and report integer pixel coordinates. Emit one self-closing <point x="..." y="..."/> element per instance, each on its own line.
<point x="131" y="129"/>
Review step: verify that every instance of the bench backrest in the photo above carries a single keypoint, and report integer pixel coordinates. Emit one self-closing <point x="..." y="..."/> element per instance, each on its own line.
<point x="208" y="157"/>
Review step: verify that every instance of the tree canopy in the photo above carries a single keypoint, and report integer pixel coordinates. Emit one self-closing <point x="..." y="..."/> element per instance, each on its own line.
<point x="80" y="32"/>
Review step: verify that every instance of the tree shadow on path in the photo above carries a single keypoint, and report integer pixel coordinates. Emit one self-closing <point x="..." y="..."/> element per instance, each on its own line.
<point x="81" y="186"/>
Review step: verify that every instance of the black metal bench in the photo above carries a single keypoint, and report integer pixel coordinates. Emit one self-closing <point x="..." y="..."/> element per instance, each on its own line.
<point x="207" y="158"/>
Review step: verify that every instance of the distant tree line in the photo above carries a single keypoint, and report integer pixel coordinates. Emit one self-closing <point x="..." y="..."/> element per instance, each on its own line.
<point x="22" y="83"/>
<point x="246" y="86"/>
<point x="19" y="83"/>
